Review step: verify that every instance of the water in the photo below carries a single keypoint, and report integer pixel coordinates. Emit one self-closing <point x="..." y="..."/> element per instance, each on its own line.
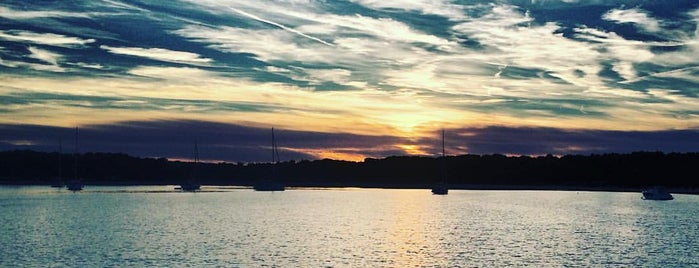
<point x="155" y="226"/>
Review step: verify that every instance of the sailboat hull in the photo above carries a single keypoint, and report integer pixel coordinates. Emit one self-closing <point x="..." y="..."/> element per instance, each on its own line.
<point x="440" y="190"/>
<point x="74" y="186"/>
<point x="189" y="187"/>
<point x="268" y="187"/>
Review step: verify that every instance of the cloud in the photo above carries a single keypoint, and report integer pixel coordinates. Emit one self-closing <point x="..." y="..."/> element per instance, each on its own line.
<point x="340" y="76"/>
<point x="23" y="15"/>
<point x="175" y="138"/>
<point x="533" y="141"/>
<point x="182" y="74"/>
<point x="510" y="39"/>
<point x="440" y="8"/>
<point x="636" y="16"/>
<point x="159" y="54"/>
<point x="44" y="55"/>
<point x="236" y="143"/>
<point x="50" y="61"/>
<point x="44" y="38"/>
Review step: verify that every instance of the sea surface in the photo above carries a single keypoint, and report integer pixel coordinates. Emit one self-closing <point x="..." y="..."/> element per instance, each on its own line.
<point x="156" y="226"/>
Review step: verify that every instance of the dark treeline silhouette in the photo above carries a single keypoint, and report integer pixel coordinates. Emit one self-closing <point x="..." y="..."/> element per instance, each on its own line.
<point x="604" y="171"/>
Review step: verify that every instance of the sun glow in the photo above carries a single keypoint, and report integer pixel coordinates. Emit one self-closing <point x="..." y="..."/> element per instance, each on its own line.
<point x="412" y="149"/>
<point x="330" y="154"/>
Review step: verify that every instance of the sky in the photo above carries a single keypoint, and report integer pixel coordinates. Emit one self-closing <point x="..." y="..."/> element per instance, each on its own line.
<point x="349" y="79"/>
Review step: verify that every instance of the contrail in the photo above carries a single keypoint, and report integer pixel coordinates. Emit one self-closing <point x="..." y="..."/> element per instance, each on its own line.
<point x="280" y="26"/>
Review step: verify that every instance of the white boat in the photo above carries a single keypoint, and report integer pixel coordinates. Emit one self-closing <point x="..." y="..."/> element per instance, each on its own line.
<point x="656" y="193"/>
<point x="271" y="185"/>
<point x="192" y="185"/>
<point x="441" y="188"/>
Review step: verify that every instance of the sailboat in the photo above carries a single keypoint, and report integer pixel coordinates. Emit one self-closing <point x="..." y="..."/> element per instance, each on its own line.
<point x="270" y="185"/>
<point x="192" y="185"/>
<point x="441" y="187"/>
<point x="75" y="184"/>
<point x="58" y="181"/>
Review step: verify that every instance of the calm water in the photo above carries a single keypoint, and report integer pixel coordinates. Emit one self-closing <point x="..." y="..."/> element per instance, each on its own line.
<point x="154" y="226"/>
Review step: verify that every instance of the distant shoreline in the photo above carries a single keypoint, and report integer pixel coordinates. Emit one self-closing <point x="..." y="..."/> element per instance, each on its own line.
<point x="610" y="172"/>
<point x="485" y="187"/>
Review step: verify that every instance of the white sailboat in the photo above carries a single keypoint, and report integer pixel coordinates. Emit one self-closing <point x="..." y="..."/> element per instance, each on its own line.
<point x="271" y="185"/>
<point x="441" y="188"/>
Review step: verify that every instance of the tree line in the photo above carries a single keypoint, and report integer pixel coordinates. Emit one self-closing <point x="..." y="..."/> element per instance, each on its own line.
<point x="636" y="170"/>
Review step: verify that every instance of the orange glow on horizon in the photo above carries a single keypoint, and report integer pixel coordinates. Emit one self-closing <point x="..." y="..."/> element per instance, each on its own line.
<point x="412" y="149"/>
<point x="329" y="154"/>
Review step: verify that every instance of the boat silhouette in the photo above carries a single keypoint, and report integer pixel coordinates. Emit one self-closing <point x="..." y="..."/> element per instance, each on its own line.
<point x="656" y="193"/>
<point x="191" y="184"/>
<point x="271" y="185"/>
<point x="76" y="183"/>
<point x="442" y="188"/>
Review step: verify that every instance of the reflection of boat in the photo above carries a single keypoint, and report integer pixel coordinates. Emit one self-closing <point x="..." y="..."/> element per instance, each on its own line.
<point x="656" y="193"/>
<point x="441" y="188"/>
<point x="271" y="184"/>
<point x="75" y="184"/>
<point x="192" y="185"/>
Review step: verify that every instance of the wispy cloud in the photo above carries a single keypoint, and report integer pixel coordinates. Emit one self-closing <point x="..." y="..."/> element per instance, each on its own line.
<point x="44" y="38"/>
<point x="441" y="7"/>
<point x="636" y="16"/>
<point x="159" y="54"/>
<point x="44" y="55"/>
<point x="20" y="14"/>
<point x="172" y="73"/>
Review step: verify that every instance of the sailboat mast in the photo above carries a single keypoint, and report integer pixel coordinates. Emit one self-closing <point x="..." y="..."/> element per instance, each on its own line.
<point x="196" y="158"/>
<point x="444" y="160"/>
<point x="443" y="151"/>
<point x="275" y="156"/>
<point x="196" y="151"/>
<point x="75" y="155"/>
<point x="275" y="151"/>
<point x="60" y="159"/>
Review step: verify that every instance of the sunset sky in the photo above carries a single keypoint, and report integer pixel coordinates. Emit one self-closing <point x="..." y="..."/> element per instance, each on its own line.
<point x="349" y="79"/>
